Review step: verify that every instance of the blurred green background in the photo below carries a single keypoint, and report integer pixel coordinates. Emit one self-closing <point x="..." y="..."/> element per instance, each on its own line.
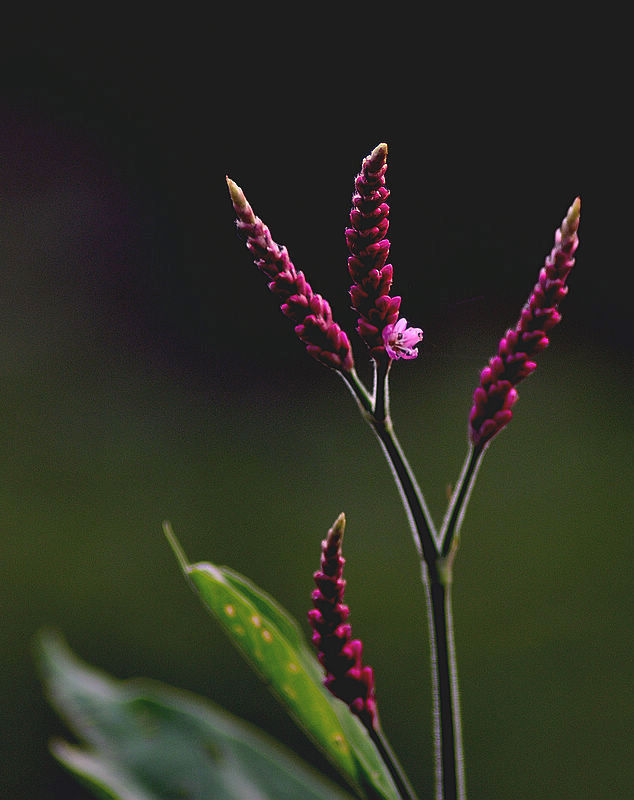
<point x="147" y="374"/>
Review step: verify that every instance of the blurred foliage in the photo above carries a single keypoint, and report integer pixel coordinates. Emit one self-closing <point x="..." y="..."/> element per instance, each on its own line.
<point x="144" y="739"/>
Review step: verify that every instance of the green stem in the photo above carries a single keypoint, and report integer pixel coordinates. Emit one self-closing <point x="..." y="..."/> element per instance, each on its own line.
<point x="382" y="389"/>
<point x="364" y="399"/>
<point x="420" y="519"/>
<point x="437" y="551"/>
<point x="449" y="535"/>
<point x="450" y="784"/>
<point x="396" y="771"/>
<point x="421" y="523"/>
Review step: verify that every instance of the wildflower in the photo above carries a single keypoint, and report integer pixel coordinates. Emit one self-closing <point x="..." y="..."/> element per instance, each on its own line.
<point x="338" y="653"/>
<point x="369" y="250"/>
<point x="314" y="325"/>
<point x="401" y="341"/>
<point x="495" y="396"/>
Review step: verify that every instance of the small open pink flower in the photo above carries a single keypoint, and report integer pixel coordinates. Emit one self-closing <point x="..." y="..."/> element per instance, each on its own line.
<point x="401" y="341"/>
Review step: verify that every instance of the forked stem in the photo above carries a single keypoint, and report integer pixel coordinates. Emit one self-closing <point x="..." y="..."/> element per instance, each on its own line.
<point x="437" y="551"/>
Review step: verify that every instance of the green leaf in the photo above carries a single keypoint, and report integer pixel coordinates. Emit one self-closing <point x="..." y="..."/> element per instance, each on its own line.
<point x="272" y="642"/>
<point x="145" y="741"/>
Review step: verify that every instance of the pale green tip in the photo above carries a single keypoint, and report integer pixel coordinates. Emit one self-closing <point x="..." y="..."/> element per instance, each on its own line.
<point x="176" y="547"/>
<point x="571" y="223"/>
<point x="339" y="525"/>
<point x="379" y="153"/>
<point x="237" y="195"/>
<point x="240" y="202"/>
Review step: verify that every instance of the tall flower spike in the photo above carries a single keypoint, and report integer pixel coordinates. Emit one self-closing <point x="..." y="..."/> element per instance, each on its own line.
<point x="369" y="250"/>
<point x="515" y="359"/>
<point x="311" y="314"/>
<point x="338" y="653"/>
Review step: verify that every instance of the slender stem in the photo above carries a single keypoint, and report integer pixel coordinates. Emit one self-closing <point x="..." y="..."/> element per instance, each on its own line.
<point x="364" y="399"/>
<point x="418" y="514"/>
<point x="450" y="783"/>
<point x="450" y="532"/>
<point x="436" y="551"/>
<point x="382" y="389"/>
<point x="420" y="519"/>
<point x="400" y="779"/>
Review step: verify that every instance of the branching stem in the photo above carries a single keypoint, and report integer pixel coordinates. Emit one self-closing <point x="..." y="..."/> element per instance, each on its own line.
<point x="436" y="551"/>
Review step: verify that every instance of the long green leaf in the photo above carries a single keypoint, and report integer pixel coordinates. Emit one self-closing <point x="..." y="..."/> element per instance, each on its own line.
<point x="145" y="741"/>
<point x="272" y="642"/>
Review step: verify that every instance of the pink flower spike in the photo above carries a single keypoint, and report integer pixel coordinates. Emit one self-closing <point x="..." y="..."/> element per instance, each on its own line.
<point x="492" y="400"/>
<point x="314" y="325"/>
<point x="401" y="341"/>
<point x="339" y="654"/>
<point x="369" y="250"/>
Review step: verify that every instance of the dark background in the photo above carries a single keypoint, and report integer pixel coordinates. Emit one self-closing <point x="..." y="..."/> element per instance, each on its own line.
<point x="147" y="374"/>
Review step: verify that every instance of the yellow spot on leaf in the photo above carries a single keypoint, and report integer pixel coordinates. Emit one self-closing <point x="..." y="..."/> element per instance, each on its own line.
<point x="339" y="742"/>
<point x="230" y="611"/>
<point x="266" y="635"/>
<point x="289" y="691"/>
<point x="256" y="620"/>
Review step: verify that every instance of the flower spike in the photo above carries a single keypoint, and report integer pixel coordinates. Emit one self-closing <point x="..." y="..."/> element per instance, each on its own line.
<point x="515" y="360"/>
<point x="324" y="339"/>
<point x="369" y="250"/>
<point x="338" y="653"/>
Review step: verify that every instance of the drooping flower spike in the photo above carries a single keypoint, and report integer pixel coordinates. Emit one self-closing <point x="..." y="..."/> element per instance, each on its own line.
<point x="369" y="250"/>
<point x="515" y="360"/>
<point x="314" y="325"/>
<point x="338" y="653"/>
